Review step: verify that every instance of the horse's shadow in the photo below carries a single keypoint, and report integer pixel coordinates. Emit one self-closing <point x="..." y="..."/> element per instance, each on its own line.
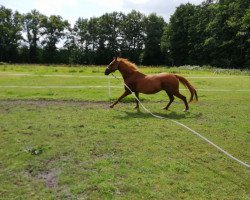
<point x="168" y="115"/>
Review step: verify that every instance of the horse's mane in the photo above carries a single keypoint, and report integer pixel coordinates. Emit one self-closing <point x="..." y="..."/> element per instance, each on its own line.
<point x="128" y="64"/>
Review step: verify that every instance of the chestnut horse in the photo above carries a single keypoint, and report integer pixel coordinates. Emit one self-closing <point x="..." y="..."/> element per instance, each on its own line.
<point x="149" y="84"/>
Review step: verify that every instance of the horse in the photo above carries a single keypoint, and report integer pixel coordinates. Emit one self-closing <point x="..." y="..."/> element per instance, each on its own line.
<point x="149" y="84"/>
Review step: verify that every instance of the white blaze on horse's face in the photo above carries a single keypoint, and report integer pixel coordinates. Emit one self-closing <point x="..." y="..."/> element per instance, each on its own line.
<point x="113" y="66"/>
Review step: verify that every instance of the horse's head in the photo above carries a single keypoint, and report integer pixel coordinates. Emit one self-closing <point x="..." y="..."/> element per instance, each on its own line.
<point x="113" y="66"/>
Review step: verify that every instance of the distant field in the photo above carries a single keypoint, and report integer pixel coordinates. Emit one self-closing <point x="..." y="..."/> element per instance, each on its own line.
<point x="60" y="140"/>
<point x="89" y="83"/>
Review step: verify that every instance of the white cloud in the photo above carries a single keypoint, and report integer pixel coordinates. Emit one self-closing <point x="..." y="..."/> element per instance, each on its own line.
<point x="160" y="7"/>
<point x="113" y="4"/>
<point x="50" y="7"/>
<point x="73" y="9"/>
<point x="139" y="1"/>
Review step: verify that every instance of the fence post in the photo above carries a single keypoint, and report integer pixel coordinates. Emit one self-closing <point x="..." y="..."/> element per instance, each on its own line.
<point x="109" y="93"/>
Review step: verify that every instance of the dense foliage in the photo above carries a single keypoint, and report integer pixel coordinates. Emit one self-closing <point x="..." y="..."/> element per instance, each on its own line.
<point x="214" y="33"/>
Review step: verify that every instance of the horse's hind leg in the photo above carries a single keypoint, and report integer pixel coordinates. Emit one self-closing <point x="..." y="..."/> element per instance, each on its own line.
<point x="171" y="99"/>
<point x="136" y="100"/>
<point x="183" y="98"/>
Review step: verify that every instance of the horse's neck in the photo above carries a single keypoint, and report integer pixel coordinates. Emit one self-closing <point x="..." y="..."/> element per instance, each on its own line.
<point x="127" y="72"/>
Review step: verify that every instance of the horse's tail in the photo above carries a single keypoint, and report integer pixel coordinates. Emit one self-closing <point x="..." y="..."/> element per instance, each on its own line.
<point x="189" y="86"/>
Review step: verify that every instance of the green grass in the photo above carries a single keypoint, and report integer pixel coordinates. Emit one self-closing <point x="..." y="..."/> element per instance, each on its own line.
<point x="67" y="144"/>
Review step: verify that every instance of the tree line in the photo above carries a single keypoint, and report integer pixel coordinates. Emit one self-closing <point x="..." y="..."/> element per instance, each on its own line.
<point x="213" y="33"/>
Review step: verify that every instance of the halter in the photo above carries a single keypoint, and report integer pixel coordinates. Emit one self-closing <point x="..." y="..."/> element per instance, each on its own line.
<point x="117" y="66"/>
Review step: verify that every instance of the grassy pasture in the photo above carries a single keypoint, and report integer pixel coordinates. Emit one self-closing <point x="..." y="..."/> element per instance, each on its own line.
<point x="65" y="143"/>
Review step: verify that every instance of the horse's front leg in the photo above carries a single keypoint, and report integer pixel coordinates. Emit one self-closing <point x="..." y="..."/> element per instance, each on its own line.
<point x="126" y="93"/>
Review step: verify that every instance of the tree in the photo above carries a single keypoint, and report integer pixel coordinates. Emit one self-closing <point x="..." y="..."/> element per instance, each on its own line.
<point x="32" y="27"/>
<point x="133" y="35"/>
<point x="110" y="33"/>
<point x="216" y="32"/>
<point x="10" y="34"/>
<point x="244" y="38"/>
<point x="93" y="39"/>
<point x="78" y="42"/>
<point x="154" y="31"/>
<point x="166" y="46"/>
<point x="179" y="40"/>
<point x="53" y="30"/>
<point x="227" y="39"/>
<point x="198" y="54"/>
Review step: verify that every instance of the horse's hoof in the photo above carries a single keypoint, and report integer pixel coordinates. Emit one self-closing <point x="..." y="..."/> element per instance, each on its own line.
<point x="164" y="108"/>
<point x="136" y="107"/>
<point x="111" y="106"/>
<point x="185" y="110"/>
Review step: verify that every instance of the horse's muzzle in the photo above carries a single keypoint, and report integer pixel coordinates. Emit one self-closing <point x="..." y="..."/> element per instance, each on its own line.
<point x="107" y="71"/>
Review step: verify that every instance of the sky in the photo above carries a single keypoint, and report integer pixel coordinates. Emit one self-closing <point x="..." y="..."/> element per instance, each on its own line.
<point x="71" y="10"/>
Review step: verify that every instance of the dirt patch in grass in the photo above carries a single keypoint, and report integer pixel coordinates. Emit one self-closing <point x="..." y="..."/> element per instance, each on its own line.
<point x="46" y="172"/>
<point x="43" y="102"/>
<point x="50" y="178"/>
